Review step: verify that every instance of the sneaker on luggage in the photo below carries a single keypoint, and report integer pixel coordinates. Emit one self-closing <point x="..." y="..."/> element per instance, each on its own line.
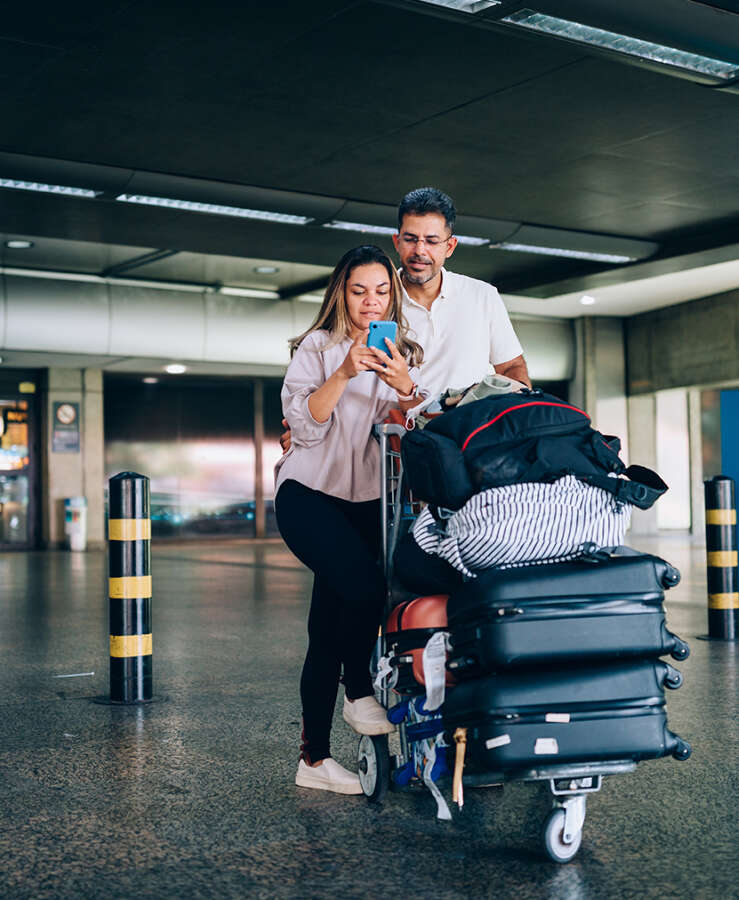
<point x="329" y="776"/>
<point x="366" y="716"/>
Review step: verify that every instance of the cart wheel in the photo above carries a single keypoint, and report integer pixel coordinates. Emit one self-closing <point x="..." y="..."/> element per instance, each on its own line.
<point x="554" y="844"/>
<point x="373" y="764"/>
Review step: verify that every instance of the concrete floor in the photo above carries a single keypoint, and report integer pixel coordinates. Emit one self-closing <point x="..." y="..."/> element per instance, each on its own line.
<point x="194" y="796"/>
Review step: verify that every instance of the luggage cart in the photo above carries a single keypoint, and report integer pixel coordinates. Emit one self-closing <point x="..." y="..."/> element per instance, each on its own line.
<point x="569" y="784"/>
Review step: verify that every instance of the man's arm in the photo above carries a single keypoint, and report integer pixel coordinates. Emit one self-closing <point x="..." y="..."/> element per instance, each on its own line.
<point x="516" y="369"/>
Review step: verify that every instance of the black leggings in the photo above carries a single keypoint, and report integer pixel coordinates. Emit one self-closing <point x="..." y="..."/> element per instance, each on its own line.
<point x="340" y="542"/>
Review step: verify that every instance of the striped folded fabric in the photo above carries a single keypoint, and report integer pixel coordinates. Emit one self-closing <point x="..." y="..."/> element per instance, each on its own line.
<point x="524" y="524"/>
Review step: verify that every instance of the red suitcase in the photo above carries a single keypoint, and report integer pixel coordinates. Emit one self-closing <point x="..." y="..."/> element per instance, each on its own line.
<point x="408" y="628"/>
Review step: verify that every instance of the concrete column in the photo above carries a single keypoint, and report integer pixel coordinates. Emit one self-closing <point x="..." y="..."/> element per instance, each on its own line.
<point x="69" y="474"/>
<point x="259" y="511"/>
<point x="642" y="416"/>
<point x="695" y="438"/>
<point x="583" y="387"/>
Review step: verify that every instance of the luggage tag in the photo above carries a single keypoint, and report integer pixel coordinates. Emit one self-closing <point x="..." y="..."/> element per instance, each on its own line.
<point x="429" y="751"/>
<point x="434" y="669"/>
<point x="387" y="674"/>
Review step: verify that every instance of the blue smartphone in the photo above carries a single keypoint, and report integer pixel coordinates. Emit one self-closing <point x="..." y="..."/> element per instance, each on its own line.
<point x="378" y="331"/>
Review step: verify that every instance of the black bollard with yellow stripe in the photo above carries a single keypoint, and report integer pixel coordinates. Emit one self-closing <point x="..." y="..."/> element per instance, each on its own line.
<point x="129" y="534"/>
<point x="723" y="583"/>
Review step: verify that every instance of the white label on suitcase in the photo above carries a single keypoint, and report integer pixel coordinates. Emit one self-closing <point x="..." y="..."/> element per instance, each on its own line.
<point x="500" y="741"/>
<point x="546" y="745"/>
<point x="557" y="717"/>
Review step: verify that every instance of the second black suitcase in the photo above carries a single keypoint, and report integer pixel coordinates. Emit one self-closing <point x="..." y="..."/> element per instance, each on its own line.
<point x="587" y="610"/>
<point x="519" y="720"/>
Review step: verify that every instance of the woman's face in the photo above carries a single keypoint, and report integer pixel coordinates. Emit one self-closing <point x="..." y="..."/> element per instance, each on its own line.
<point x="367" y="293"/>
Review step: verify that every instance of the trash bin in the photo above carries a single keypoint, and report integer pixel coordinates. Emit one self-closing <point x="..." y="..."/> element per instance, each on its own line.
<point x="75" y="522"/>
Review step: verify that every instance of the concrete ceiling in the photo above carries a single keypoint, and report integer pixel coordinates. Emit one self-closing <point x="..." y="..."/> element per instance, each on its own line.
<point x="346" y="103"/>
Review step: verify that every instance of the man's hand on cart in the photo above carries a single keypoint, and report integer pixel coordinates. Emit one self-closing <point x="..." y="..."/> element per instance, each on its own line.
<point x="285" y="437"/>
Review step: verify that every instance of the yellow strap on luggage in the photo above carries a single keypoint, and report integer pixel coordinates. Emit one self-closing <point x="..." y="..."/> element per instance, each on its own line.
<point x="460" y="738"/>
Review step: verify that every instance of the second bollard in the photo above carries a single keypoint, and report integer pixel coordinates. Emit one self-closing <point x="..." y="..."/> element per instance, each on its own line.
<point x="723" y="583"/>
<point x="129" y="533"/>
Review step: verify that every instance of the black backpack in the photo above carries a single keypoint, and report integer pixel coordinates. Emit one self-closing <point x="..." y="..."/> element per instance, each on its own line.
<point x="509" y="439"/>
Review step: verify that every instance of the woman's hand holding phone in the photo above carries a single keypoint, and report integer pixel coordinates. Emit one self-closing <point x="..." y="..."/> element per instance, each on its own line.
<point x="392" y="369"/>
<point x="358" y="359"/>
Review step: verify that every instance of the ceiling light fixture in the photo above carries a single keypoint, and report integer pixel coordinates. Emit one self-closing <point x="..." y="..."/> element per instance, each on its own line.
<point x="150" y="380"/>
<point x="254" y="293"/>
<point x="175" y="369"/>
<point x="621" y="43"/>
<point x="215" y="209"/>
<point x="587" y="300"/>
<point x="266" y="270"/>
<point x="386" y="229"/>
<point x="559" y="251"/>
<point x="16" y="185"/>
<point x="468" y="6"/>
<point x="18" y="245"/>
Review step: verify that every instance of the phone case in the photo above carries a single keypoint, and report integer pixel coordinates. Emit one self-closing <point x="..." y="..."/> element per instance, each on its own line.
<point x="380" y="330"/>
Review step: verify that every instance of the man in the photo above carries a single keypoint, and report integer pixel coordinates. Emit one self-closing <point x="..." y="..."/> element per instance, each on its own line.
<point x="460" y="322"/>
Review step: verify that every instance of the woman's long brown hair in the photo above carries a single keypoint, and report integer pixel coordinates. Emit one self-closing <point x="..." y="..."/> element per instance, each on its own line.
<point x="333" y="315"/>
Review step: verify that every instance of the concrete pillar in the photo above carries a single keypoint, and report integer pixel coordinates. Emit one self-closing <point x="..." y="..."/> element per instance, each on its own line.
<point x="259" y="511"/>
<point x="583" y="387"/>
<point x="69" y="473"/>
<point x="695" y="438"/>
<point x="642" y="417"/>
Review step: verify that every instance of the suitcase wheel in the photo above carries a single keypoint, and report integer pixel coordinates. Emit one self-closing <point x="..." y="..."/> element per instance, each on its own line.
<point x="680" y="649"/>
<point x="553" y="836"/>
<point x="373" y="766"/>
<point x="682" y="751"/>
<point x="673" y="679"/>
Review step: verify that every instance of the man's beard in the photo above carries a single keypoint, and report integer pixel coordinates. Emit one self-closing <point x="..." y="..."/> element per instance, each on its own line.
<point x="420" y="277"/>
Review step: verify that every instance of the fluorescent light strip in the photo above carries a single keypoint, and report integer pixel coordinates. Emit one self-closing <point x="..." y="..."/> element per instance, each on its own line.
<point x="357" y="226"/>
<point x="559" y="251"/>
<point x="186" y="286"/>
<point x="255" y="293"/>
<point x="621" y="43"/>
<point x="384" y="229"/>
<point x="42" y="188"/>
<point x="215" y="209"/>
<point x="468" y="6"/>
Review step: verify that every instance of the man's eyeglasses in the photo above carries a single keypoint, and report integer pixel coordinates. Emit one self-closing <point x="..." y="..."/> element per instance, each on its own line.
<point x="412" y="240"/>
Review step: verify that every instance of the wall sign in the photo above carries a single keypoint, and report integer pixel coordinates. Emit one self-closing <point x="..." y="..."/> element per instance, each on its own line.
<point x="65" y="437"/>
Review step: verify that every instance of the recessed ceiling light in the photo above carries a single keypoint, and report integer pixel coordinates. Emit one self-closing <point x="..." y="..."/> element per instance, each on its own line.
<point x="621" y="43"/>
<point x="16" y="185"/>
<point x="215" y="209"/>
<point x="468" y="6"/>
<point x="266" y="270"/>
<point x="587" y="300"/>
<point x="386" y="229"/>
<point x="175" y="369"/>
<point x="150" y="380"/>
<point x="560" y="251"/>
<point x="18" y="245"/>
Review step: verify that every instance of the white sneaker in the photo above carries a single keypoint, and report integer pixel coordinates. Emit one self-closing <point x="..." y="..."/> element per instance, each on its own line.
<point x="329" y="776"/>
<point x="366" y="716"/>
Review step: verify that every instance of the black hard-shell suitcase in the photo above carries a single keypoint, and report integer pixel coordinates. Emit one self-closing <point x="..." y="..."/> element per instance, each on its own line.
<point x="535" y="615"/>
<point x="521" y="719"/>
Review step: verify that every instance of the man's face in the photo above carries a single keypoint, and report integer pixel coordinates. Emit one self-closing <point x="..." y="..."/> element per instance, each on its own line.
<point x="423" y="244"/>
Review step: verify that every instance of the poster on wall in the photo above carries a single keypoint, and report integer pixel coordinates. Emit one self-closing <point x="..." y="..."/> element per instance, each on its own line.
<point x="66" y="433"/>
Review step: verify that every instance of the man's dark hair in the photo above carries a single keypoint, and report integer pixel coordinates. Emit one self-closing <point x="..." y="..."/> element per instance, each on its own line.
<point x="426" y="200"/>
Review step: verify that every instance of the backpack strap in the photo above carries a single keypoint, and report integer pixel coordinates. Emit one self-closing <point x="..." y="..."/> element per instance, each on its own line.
<point x="643" y="487"/>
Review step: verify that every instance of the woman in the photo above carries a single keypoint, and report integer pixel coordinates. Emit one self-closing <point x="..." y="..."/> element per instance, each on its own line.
<point x="327" y="488"/>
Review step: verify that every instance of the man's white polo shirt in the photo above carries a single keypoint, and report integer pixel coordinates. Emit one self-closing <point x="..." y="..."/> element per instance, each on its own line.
<point x="466" y="329"/>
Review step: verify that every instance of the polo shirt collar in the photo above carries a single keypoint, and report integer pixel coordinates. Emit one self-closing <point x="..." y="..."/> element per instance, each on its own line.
<point x="443" y="291"/>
